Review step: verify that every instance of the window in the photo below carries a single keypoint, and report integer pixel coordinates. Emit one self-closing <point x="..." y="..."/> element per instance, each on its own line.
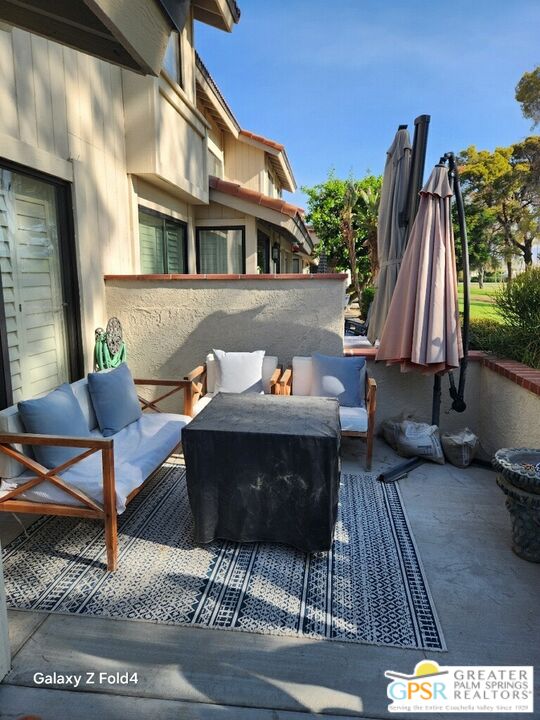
<point x="172" y="60"/>
<point x="263" y="252"/>
<point x="221" y="250"/>
<point x="39" y="308"/>
<point x="163" y="243"/>
<point x="272" y="186"/>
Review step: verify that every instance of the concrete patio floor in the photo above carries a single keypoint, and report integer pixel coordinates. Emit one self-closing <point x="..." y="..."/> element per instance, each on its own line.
<point x="486" y="597"/>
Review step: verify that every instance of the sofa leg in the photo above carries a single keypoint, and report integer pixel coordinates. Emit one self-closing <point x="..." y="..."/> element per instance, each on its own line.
<point x="369" y="454"/>
<point x="109" y="507"/>
<point x="111" y="542"/>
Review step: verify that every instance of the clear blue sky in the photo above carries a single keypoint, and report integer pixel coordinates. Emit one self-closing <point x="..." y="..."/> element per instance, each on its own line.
<point x="332" y="79"/>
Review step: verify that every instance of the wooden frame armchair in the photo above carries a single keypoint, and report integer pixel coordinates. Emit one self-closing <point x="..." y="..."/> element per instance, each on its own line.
<point x="198" y="381"/>
<point x="90" y="508"/>
<point x="370" y="394"/>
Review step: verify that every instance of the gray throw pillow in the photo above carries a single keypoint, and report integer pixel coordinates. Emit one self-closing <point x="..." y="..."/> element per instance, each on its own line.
<point x="58" y="413"/>
<point x="343" y="378"/>
<point x="239" y="372"/>
<point x="114" y="398"/>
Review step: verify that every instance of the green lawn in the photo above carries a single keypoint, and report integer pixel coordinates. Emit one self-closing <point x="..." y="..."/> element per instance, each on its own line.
<point x="482" y="301"/>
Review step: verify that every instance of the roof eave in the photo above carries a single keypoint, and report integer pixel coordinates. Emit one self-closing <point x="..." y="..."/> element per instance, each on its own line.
<point x="260" y="206"/>
<point x="210" y="90"/>
<point x="221" y="14"/>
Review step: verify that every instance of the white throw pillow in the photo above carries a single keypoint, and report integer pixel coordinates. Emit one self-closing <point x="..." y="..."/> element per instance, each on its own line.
<point x="239" y="372"/>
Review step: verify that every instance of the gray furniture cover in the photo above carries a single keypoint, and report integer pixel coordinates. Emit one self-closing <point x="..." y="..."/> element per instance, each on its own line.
<point x="264" y="468"/>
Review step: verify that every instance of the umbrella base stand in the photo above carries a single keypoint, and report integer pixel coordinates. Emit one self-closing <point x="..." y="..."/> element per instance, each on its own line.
<point x="404" y="468"/>
<point x="400" y="471"/>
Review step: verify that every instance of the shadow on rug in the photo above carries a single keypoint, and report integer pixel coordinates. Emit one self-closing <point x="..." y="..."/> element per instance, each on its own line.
<point x="370" y="588"/>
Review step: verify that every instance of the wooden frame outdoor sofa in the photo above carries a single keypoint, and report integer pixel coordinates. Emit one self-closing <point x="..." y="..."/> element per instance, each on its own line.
<point x="355" y="422"/>
<point x="11" y="445"/>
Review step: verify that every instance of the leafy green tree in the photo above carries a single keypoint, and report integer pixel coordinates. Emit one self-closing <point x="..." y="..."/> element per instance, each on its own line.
<point x="483" y="241"/>
<point x="502" y="182"/>
<point x="528" y="95"/>
<point x="344" y="216"/>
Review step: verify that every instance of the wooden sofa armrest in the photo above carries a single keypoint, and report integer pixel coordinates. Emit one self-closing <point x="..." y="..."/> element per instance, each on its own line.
<point x="274" y="380"/>
<point x="65" y="441"/>
<point x="43" y="474"/>
<point x="371" y="395"/>
<point x="176" y="386"/>
<point x="197" y="380"/>
<point x="195" y="373"/>
<point x="285" y="382"/>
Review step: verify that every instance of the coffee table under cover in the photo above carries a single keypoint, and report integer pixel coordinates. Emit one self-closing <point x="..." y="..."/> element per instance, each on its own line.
<point x="264" y="468"/>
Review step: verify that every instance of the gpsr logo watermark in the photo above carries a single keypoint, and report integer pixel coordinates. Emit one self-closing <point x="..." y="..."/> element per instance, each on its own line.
<point x="461" y="689"/>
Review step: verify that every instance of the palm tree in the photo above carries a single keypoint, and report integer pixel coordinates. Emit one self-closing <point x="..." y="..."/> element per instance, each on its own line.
<point x="348" y="231"/>
<point x="370" y="198"/>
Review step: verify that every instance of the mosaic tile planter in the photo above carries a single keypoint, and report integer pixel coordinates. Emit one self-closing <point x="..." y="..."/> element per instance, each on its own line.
<point x="519" y="478"/>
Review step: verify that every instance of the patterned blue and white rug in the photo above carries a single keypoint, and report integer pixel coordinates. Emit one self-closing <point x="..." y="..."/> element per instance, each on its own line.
<point x="370" y="588"/>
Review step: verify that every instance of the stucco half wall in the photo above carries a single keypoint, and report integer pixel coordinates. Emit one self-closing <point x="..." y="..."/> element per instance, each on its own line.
<point x="170" y="324"/>
<point x="509" y="414"/>
<point x="499" y="410"/>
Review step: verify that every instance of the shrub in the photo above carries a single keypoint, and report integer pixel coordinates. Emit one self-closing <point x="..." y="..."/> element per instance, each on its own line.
<point x="368" y="293"/>
<point x="518" y="337"/>
<point x="504" y="340"/>
<point x="519" y="301"/>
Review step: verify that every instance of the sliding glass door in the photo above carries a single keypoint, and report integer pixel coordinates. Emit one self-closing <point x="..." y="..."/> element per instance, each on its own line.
<point x="38" y="291"/>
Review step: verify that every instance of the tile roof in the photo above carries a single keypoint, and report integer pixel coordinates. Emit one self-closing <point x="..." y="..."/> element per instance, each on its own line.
<point x="263" y="140"/>
<point x="232" y="188"/>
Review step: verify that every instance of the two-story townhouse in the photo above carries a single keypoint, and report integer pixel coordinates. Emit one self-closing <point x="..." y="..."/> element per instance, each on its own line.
<point x="89" y="145"/>
<point x="124" y="161"/>
<point x="247" y="227"/>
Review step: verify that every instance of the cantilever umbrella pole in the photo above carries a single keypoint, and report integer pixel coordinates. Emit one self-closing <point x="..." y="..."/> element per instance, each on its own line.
<point x="457" y="396"/>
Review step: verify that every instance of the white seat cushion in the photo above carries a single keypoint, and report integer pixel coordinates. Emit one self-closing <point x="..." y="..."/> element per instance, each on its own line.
<point x="270" y="363"/>
<point x="202" y="403"/>
<point x="138" y="450"/>
<point x="353" y="419"/>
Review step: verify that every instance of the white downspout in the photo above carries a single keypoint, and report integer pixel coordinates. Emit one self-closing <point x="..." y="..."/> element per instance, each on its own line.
<point x="5" y="656"/>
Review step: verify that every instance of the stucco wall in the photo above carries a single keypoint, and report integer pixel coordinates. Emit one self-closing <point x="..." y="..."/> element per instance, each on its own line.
<point x="411" y="394"/>
<point x="171" y="325"/>
<point x="509" y="414"/>
<point x="499" y="411"/>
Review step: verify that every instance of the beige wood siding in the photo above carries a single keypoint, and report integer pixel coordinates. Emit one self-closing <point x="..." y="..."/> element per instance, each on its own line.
<point x="165" y="136"/>
<point x="62" y="106"/>
<point x="215" y="211"/>
<point x="244" y="164"/>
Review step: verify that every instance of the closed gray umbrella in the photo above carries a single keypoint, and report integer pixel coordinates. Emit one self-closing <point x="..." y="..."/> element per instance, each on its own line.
<point x="422" y="329"/>
<point x="390" y="234"/>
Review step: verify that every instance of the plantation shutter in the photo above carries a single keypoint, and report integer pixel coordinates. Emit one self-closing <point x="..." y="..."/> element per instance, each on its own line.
<point x="8" y="283"/>
<point x="31" y="279"/>
<point x="151" y="244"/>
<point x="175" y="237"/>
<point x="162" y="244"/>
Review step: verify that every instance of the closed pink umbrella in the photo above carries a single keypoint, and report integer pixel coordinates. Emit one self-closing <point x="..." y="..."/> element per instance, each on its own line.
<point x="422" y="329"/>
